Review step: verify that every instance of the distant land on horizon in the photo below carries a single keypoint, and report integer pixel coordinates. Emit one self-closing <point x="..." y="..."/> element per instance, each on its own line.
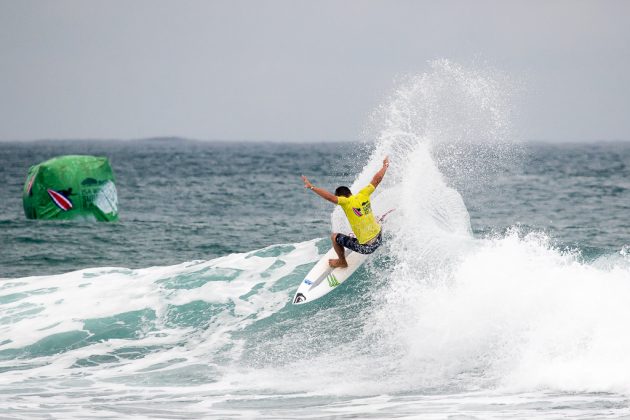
<point x="177" y="139"/>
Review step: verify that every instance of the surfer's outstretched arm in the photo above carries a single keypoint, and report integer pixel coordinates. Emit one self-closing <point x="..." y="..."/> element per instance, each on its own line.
<point x="381" y="173"/>
<point x="320" y="191"/>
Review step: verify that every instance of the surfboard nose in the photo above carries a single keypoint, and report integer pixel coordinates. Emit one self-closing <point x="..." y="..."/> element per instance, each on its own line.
<point x="299" y="298"/>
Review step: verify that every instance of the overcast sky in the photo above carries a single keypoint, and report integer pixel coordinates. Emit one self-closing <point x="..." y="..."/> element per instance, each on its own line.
<point x="297" y="70"/>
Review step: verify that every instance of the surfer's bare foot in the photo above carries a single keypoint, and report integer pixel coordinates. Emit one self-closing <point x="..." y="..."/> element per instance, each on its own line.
<point x="339" y="263"/>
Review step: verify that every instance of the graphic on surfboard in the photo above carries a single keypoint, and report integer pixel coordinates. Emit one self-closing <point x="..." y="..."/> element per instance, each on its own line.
<point x="323" y="279"/>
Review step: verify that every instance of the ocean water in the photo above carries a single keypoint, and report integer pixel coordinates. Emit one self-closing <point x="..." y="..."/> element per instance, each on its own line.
<point x="501" y="291"/>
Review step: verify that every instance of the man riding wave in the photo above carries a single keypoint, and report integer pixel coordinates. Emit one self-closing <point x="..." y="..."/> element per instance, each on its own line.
<point x="358" y="209"/>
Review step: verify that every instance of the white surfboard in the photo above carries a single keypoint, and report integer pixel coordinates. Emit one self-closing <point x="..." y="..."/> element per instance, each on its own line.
<point x="323" y="279"/>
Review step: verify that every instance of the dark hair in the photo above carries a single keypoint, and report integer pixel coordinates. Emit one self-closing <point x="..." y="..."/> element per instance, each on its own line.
<point x="343" y="191"/>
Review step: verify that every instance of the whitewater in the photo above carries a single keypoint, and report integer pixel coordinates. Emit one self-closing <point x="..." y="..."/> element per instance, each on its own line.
<point x="440" y="322"/>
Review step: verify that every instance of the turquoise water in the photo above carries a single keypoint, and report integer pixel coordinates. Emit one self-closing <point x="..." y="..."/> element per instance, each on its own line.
<point x="501" y="290"/>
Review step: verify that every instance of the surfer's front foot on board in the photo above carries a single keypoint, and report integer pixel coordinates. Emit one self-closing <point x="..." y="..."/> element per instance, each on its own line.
<point x="338" y="263"/>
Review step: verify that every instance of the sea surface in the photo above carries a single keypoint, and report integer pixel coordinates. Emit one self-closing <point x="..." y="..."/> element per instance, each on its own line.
<point x="502" y="289"/>
<point x="183" y="200"/>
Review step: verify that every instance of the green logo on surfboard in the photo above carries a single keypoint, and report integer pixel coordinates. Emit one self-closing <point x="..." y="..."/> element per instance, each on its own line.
<point x="332" y="280"/>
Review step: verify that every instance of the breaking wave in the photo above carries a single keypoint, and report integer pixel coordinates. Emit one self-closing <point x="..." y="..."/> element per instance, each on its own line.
<point x="436" y="310"/>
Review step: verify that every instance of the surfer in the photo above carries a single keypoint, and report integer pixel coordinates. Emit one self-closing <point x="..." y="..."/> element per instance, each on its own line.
<point x="358" y="210"/>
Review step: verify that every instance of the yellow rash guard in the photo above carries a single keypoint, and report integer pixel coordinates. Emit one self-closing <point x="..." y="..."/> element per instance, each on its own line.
<point x="359" y="213"/>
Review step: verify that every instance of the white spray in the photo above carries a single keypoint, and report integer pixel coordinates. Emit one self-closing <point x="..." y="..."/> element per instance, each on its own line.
<point x="465" y="313"/>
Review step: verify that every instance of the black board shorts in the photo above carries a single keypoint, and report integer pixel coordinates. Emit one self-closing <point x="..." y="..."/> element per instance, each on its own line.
<point x="353" y="243"/>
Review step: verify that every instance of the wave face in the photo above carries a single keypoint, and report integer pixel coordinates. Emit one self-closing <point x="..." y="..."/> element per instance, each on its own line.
<point x="437" y="322"/>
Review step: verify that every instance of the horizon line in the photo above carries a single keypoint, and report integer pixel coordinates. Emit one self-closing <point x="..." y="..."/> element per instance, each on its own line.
<point x="166" y="139"/>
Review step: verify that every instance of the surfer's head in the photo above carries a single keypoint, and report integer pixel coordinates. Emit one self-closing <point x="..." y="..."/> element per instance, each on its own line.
<point x="343" y="192"/>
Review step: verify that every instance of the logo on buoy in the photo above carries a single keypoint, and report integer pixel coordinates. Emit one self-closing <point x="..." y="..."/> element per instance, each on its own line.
<point x="29" y="190"/>
<point x="60" y="200"/>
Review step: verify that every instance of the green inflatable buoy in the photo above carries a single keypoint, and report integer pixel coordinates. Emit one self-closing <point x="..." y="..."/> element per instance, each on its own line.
<point x="71" y="187"/>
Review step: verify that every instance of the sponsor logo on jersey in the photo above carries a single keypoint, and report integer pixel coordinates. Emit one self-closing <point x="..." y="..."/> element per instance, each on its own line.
<point x="357" y="211"/>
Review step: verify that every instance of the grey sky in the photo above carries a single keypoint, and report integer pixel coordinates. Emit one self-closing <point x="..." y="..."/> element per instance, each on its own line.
<point x="297" y="70"/>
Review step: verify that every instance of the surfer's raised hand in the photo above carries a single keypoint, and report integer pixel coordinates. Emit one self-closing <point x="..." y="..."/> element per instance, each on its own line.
<point x="307" y="183"/>
<point x="378" y="177"/>
<point x="319" y="191"/>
